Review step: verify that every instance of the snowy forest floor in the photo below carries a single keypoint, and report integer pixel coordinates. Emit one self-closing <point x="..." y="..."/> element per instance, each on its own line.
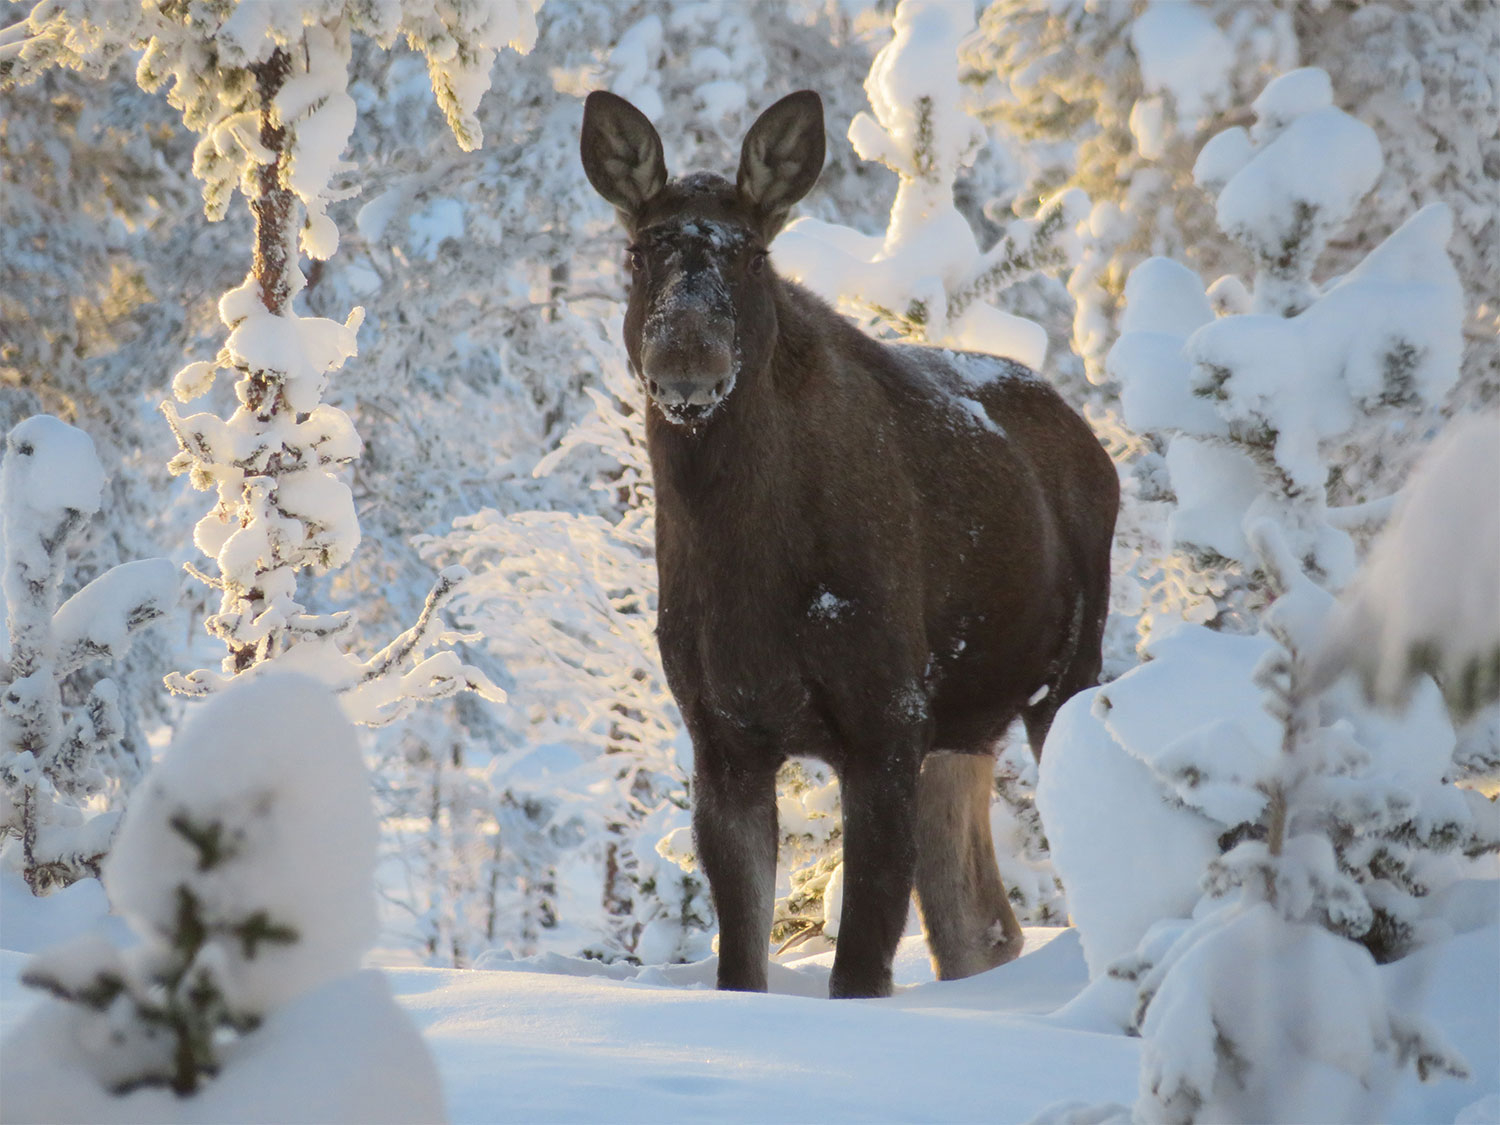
<point x="555" y="1038"/>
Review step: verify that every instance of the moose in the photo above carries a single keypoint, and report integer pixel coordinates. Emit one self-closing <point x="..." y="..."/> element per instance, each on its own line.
<point x="876" y="555"/>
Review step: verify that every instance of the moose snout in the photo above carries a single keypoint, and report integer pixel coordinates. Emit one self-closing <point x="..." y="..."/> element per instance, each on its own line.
<point x="687" y="377"/>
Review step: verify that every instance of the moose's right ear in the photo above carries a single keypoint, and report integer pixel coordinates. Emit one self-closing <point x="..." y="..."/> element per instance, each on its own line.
<point x="622" y="154"/>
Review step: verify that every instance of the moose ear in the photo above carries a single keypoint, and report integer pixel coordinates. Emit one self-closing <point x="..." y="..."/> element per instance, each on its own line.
<point x="622" y="154"/>
<point x="781" y="158"/>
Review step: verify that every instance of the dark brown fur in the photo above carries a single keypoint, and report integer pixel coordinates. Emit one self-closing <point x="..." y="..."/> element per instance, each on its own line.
<point x="854" y="566"/>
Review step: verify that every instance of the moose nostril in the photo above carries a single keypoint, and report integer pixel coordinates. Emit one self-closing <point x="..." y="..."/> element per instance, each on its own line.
<point x="719" y="387"/>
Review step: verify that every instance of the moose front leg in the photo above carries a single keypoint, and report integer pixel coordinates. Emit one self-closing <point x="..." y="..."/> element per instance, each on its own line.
<point x="734" y="825"/>
<point x="880" y="858"/>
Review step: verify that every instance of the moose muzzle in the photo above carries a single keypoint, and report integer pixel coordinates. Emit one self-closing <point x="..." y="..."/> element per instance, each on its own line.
<point x="688" y="365"/>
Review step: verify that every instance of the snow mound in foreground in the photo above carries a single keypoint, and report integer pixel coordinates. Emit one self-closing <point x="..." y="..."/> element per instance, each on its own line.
<point x="344" y="1052"/>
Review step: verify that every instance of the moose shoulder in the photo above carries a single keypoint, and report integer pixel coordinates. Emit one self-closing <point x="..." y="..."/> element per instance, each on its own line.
<point x="868" y="554"/>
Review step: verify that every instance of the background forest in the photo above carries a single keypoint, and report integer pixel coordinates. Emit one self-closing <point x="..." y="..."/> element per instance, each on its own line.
<point x="377" y="427"/>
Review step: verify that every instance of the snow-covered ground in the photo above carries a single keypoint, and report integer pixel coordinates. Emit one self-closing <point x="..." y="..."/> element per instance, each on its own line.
<point x="559" y="1039"/>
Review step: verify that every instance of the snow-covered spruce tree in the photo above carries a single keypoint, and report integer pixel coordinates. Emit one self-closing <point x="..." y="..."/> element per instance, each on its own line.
<point x="246" y="867"/>
<point x="101" y="274"/>
<point x="1321" y="830"/>
<point x="1266" y="1006"/>
<point x="63" y="759"/>
<point x="266" y="88"/>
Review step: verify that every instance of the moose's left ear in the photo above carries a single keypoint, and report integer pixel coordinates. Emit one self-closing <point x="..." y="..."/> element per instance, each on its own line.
<point x="781" y="158"/>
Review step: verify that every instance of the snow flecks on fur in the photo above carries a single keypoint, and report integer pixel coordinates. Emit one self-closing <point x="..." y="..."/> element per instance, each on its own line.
<point x="828" y="606"/>
<point x="956" y="376"/>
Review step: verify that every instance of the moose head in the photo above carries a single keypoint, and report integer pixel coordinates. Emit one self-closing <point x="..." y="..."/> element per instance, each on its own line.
<point x="702" y="311"/>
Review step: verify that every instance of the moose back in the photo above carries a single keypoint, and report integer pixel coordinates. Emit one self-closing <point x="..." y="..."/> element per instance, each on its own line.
<point x="874" y="555"/>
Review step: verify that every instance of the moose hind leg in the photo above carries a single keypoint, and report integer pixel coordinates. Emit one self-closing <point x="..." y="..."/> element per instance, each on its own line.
<point x="966" y="916"/>
<point x="734" y="827"/>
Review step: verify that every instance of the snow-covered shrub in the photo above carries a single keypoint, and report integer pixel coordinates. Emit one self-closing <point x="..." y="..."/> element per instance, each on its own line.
<point x="245" y="865"/>
<point x="63" y="760"/>
<point x="567" y="603"/>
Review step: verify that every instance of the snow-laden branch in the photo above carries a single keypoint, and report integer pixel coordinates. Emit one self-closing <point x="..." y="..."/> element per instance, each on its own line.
<point x="98" y="622"/>
<point x="385" y="687"/>
<point x="1427" y="601"/>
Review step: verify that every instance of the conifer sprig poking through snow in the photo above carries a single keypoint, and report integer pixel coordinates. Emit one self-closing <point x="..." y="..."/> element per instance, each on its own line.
<point x="54" y="757"/>
<point x="927" y="279"/>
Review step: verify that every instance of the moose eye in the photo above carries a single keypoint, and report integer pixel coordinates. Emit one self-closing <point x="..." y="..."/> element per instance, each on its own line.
<point x="758" y="261"/>
<point x="635" y="260"/>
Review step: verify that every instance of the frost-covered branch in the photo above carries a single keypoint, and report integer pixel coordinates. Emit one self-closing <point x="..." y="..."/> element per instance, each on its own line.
<point x="567" y="603"/>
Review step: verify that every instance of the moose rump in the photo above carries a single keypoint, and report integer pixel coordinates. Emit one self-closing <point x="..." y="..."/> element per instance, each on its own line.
<point x="875" y="555"/>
